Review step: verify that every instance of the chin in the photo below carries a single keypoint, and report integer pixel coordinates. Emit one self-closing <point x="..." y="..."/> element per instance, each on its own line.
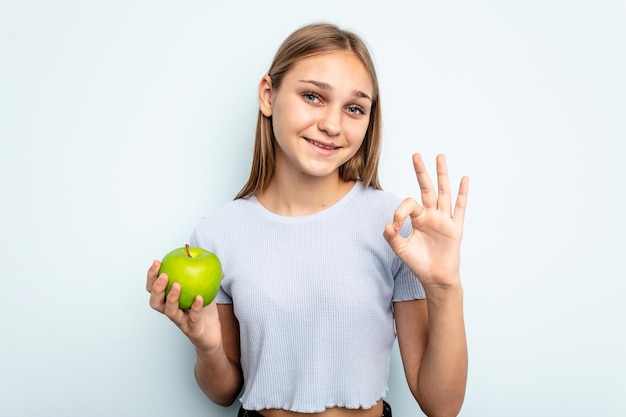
<point x="319" y="172"/>
<point x="322" y="170"/>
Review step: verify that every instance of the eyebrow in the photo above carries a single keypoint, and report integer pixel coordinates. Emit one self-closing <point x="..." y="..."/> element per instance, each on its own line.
<point x="326" y="86"/>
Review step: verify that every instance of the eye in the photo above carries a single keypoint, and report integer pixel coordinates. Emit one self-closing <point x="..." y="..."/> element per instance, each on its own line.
<point x="356" y="110"/>
<point x="311" y="97"/>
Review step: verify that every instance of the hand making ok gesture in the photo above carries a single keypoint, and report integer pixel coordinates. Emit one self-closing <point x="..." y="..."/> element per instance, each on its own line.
<point x="433" y="249"/>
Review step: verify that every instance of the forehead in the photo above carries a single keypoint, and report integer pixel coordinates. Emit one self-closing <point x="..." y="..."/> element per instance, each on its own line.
<point x="339" y="69"/>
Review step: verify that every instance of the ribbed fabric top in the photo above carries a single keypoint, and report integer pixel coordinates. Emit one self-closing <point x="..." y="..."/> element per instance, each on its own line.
<point x="313" y="297"/>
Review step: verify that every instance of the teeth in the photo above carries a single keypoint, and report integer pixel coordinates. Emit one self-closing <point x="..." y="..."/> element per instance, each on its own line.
<point x="322" y="146"/>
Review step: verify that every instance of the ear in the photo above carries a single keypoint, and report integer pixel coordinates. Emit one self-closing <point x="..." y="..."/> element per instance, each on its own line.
<point x="265" y="96"/>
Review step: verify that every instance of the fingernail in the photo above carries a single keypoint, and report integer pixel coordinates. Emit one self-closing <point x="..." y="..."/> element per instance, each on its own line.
<point x="396" y="226"/>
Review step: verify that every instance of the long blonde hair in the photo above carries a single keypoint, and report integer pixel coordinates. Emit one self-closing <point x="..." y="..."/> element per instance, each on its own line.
<point x="310" y="40"/>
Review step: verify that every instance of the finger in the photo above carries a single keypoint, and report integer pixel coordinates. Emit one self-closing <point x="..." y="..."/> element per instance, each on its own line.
<point x="195" y="314"/>
<point x="444" y="200"/>
<point x="157" y="293"/>
<point x="408" y="208"/>
<point x="172" y="310"/>
<point x="429" y="197"/>
<point x="152" y="274"/>
<point x="461" y="200"/>
<point x="393" y="237"/>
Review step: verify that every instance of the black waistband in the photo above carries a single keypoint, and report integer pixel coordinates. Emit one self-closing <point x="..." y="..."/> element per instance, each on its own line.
<point x="248" y="413"/>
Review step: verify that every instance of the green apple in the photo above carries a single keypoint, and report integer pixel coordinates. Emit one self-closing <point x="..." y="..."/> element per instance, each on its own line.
<point x="198" y="271"/>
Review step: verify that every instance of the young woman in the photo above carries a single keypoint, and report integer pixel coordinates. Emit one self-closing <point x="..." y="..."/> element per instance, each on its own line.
<point x="322" y="267"/>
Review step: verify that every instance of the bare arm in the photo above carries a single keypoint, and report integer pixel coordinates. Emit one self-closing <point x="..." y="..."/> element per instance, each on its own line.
<point x="431" y="333"/>
<point x="218" y="372"/>
<point x="434" y="353"/>
<point x="214" y="332"/>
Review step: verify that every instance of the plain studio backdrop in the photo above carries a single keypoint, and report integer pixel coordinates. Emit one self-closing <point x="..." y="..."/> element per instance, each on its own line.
<point x="122" y="123"/>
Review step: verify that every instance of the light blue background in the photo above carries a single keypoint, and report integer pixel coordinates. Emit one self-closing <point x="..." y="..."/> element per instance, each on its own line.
<point x="123" y="122"/>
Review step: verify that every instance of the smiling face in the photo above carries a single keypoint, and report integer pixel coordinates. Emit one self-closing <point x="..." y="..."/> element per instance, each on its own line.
<point x="320" y="113"/>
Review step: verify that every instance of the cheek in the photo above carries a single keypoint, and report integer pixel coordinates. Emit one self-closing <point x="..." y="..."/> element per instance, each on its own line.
<point x="280" y="122"/>
<point x="292" y="121"/>
<point x="356" y="132"/>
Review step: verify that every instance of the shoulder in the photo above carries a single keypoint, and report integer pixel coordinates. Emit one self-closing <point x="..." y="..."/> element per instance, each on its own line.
<point x="231" y="209"/>
<point x="374" y="203"/>
<point x="223" y="221"/>
<point x="375" y="198"/>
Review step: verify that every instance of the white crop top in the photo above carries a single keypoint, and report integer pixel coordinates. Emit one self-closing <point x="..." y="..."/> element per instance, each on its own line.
<point x="313" y="297"/>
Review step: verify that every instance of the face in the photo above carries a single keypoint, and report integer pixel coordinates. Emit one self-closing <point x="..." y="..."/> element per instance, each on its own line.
<point x="320" y="113"/>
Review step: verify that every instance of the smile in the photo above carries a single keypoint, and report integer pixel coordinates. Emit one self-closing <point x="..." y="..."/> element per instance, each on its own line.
<point x="321" y="145"/>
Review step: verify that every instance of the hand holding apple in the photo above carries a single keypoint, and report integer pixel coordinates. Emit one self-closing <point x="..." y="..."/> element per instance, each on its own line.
<point x="198" y="271"/>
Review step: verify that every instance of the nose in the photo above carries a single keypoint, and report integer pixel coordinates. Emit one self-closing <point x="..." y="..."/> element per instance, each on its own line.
<point x="330" y="121"/>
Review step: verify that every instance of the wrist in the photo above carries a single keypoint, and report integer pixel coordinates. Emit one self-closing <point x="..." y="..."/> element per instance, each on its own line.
<point x="449" y="290"/>
<point x="208" y="354"/>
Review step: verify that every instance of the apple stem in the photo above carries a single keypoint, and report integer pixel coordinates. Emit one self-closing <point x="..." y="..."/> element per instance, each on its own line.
<point x="187" y="249"/>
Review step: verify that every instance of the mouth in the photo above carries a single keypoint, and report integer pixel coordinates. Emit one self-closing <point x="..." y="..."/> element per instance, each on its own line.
<point x="330" y="147"/>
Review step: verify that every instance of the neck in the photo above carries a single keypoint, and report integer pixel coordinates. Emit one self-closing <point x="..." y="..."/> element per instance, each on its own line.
<point x="303" y="195"/>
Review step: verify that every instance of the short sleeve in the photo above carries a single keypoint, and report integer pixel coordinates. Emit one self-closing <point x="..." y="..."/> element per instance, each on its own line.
<point x="195" y="240"/>
<point x="222" y="297"/>
<point x="407" y="286"/>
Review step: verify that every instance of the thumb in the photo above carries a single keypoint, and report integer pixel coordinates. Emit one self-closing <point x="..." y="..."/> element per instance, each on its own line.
<point x="195" y="314"/>
<point x="392" y="235"/>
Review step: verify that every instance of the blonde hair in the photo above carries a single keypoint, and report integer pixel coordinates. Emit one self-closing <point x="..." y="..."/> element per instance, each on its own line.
<point x="310" y="40"/>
